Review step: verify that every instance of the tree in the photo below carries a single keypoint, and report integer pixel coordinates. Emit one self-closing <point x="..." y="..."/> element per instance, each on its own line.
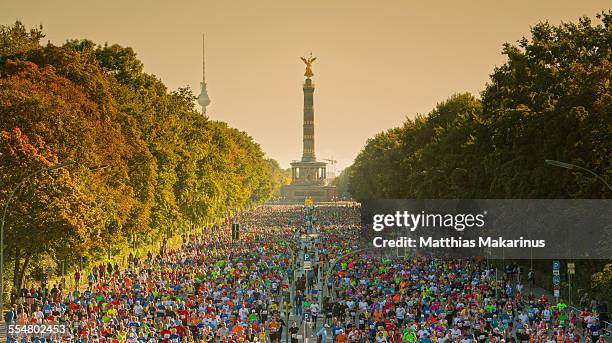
<point x="602" y="281"/>
<point x="551" y="100"/>
<point x="278" y="176"/>
<point x="49" y="214"/>
<point x="16" y="39"/>
<point x="170" y="167"/>
<point x="376" y="167"/>
<point x="41" y="103"/>
<point x="342" y="183"/>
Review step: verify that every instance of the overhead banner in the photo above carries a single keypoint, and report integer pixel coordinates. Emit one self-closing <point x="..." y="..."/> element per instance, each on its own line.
<point x="489" y="228"/>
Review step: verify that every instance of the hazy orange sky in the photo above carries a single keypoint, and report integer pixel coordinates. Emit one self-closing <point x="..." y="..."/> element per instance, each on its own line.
<point x="378" y="61"/>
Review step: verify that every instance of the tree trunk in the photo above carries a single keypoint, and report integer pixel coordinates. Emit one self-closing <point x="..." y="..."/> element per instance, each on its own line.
<point x="16" y="269"/>
<point x="22" y="271"/>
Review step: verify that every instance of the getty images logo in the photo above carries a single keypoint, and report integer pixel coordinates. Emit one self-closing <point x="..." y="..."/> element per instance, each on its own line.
<point x="413" y="221"/>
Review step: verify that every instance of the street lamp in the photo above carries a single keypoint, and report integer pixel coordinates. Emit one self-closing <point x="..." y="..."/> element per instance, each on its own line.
<point x="572" y="166"/>
<point x="287" y="309"/>
<point x="6" y="205"/>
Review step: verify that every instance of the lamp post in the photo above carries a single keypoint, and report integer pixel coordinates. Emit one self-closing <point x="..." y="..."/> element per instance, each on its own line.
<point x="287" y="310"/>
<point x="6" y="205"/>
<point x="570" y="166"/>
<point x="573" y="166"/>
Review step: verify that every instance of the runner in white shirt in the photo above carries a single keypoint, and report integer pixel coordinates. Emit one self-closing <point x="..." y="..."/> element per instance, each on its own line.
<point x="400" y="313"/>
<point x="422" y="332"/>
<point x="363" y="306"/>
<point x="39" y="315"/>
<point x="314" y="311"/>
<point x="455" y="332"/>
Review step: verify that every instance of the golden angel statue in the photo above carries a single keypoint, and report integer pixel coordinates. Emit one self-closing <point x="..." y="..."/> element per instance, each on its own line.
<point x="308" y="62"/>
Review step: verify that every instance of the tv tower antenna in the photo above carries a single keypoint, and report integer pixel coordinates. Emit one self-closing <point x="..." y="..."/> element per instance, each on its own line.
<point x="203" y="98"/>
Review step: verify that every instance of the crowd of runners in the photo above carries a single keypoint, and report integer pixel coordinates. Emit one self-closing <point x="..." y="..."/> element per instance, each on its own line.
<point x="254" y="289"/>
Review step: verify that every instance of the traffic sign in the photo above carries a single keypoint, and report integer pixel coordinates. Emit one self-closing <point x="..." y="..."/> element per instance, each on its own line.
<point x="307" y="316"/>
<point x="556" y="267"/>
<point x="571" y="268"/>
<point x="556" y="287"/>
<point x="556" y="280"/>
<point x="556" y="293"/>
<point x="307" y="262"/>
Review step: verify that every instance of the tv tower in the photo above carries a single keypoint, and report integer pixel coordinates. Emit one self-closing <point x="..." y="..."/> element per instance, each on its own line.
<point x="203" y="98"/>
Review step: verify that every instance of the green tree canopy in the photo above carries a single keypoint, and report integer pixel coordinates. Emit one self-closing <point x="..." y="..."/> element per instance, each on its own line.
<point x="550" y="100"/>
<point x="170" y="168"/>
